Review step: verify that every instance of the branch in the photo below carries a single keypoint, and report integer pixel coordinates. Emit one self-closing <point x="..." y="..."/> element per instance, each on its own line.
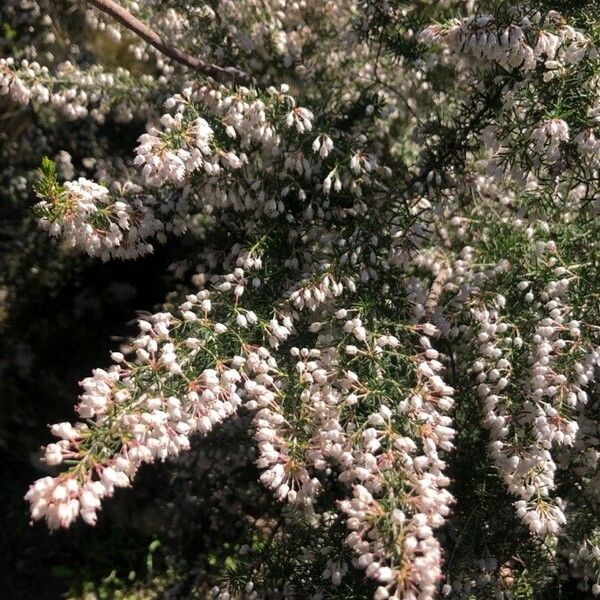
<point x="148" y="34"/>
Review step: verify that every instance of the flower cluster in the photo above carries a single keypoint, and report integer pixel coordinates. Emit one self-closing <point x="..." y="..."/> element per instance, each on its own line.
<point x="162" y="163"/>
<point x="481" y="39"/>
<point x="393" y="531"/>
<point x="143" y="424"/>
<point x="85" y="215"/>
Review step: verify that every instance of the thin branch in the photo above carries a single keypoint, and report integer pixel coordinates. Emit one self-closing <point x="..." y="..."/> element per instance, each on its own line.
<point x="148" y="34"/>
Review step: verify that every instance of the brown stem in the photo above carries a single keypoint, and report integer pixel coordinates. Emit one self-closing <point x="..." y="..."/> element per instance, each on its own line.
<point x="154" y="39"/>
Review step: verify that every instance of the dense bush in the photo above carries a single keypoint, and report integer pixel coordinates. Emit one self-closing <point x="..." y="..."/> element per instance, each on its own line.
<point x="375" y="223"/>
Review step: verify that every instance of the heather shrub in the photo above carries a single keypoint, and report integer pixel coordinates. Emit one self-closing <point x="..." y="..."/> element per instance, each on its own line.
<point x="376" y="372"/>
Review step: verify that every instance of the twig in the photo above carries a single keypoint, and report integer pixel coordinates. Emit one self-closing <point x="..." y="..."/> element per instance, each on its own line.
<point x="148" y="34"/>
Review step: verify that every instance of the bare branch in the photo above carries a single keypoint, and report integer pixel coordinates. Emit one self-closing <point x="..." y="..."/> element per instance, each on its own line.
<point x="153" y="38"/>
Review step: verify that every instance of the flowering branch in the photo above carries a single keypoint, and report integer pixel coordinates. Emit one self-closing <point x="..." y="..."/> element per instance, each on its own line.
<point x="153" y="38"/>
